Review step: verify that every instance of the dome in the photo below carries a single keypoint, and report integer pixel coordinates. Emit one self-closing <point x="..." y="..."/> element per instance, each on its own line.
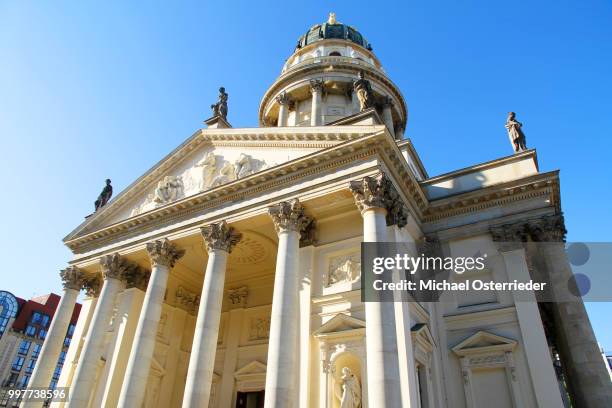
<point x="332" y="30"/>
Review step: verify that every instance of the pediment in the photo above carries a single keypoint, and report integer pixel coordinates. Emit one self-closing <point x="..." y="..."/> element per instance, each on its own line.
<point x="484" y="341"/>
<point x="339" y="323"/>
<point x="254" y="367"/>
<point x="213" y="158"/>
<point x="420" y="333"/>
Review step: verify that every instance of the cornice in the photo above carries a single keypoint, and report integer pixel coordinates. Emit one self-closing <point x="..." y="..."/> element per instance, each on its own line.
<point x="294" y="137"/>
<point x="538" y="185"/>
<point x="323" y="68"/>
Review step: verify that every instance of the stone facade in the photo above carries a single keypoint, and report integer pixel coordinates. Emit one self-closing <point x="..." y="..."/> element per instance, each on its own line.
<point x="253" y="240"/>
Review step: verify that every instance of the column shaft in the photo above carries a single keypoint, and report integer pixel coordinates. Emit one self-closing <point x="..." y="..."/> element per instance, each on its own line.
<point x="139" y="363"/>
<point x="204" y="348"/>
<point x="282" y="115"/>
<point x="381" y="335"/>
<point x="52" y="347"/>
<point x="281" y="375"/>
<point x="586" y="373"/>
<point x="85" y="375"/>
<point x="388" y="117"/>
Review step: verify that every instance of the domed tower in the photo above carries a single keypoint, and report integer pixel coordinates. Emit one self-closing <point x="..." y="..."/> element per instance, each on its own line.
<point x="316" y="85"/>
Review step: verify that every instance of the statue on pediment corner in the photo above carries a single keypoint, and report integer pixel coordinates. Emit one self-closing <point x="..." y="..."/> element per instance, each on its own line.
<point x="105" y="195"/>
<point x="220" y="108"/>
<point x="515" y="132"/>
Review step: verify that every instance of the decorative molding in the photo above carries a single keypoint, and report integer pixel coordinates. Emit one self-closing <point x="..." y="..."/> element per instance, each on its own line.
<point x="544" y="229"/>
<point x="114" y="266"/>
<point x="379" y="192"/>
<point x="220" y="236"/>
<point x="317" y="85"/>
<point x="259" y="328"/>
<point x="343" y="268"/>
<point x="283" y="99"/>
<point x="289" y="216"/>
<point x="137" y="277"/>
<point x="93" y="286"/>
<point x="163" y="252"/>
<point x="186" y="299"/>
<point x="238" y="297"/>
<point x="72" y="278"/>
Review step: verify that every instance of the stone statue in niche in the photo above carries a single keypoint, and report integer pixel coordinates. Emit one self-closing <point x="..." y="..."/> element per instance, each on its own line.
<point x="364" y="92"/>
<point x="220" y="108"/>
<point x="348" y="390"/>
<point x="517" y="137"/>
<point x="105" y="195"/>
<point x="169" y="189"/>
<point x="344" y="269"/>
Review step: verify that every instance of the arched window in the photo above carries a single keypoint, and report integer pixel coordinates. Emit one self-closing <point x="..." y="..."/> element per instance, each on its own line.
<point x="8" y="309"/>
<point x="335" y="54"/>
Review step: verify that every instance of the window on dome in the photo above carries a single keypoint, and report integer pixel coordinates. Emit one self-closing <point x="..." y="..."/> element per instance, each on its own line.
<point x="335" y="54"/>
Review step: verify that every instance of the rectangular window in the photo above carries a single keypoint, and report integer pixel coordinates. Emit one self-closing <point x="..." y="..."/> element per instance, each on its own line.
<point x="61" y="358"/>
<point x="57" y="372"/>
<point x="24" y="381"/>
<point x="36" y="350"/>
<point x="67" y="342"/>
<point x="24" y="347"/>
<point x="30" y="366"/>
<point x="30" y="330"/>
<point x="42" y="334"/>
<point x="45" y="320"/>
<point x="70" y="330"/>
<point x="18" y="363"/>
<point x="36" y="318"/>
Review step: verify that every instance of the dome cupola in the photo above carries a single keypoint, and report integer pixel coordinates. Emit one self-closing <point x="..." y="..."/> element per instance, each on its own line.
<point x="317" y="82"/>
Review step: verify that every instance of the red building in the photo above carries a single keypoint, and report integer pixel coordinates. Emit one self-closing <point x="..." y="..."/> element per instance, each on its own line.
<point x="23" y="329"/>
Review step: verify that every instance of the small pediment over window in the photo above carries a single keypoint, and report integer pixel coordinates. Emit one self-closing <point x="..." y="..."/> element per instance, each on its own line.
<point x="483" y="341"/>
<point x="340" y="323"/>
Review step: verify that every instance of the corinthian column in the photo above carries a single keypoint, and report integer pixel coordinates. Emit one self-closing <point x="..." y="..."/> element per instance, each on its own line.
<point x="373" y="196"/>
<point x="387" y="116"/>
<point x="219" y="240"/>
<point x="283" y="112"/>
<point x="163" y="255"/>
<point x="72" y="279"/>
<point x="316" y="88"/>
<point x="114" y="268"/>
<point x="586" y="374"/>
<point x="281" y="374"/>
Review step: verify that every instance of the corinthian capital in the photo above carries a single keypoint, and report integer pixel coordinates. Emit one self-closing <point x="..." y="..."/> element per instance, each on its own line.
<point x="163" y="252"/>
<point x="289" y="216"/>
<point x="283" y="99"/>
<point x="544" y="229"/>
<point x="220" y="236"/>
<point x="137" y="277"/>
<point x="114" y="266"/>
<point x="72" y="278"/>
<point x="548" y="229"/>
<point x="316" y="85"/>
<point x="378" y="192"/>
<point x="92" y="286"/>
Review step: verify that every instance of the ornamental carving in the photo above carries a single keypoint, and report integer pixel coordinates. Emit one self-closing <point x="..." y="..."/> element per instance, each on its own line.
<point x="289" y="216"/>
<point x="238" y="296"/>
<point x="92" y="286"/>
<point x="316" y="85"/>
<point x="345" y="268"/>
<point x="220" y="236"/>
<point x="187" y="299"/>
<point x="163" y="252"/>
<point x="283" y="99"/>
<point x="137" y="277"/>
<point x="114" y="266"/>
<point x="72" y="278"/>
<point x="259" y="329"/>
<point x="379" y="192"/>
<point x="169" y="189"/>
<point x="545" y="229"/>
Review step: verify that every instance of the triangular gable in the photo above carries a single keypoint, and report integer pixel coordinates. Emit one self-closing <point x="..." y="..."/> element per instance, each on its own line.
<point x="482" y="342"/>
<point x="254" y="367"/>
<point x="340" y="324"/>
<point x="421" y="334"/>
<point x="221" y="156"/>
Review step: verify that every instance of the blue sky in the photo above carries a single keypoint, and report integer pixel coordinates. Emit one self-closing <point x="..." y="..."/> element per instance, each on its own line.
<point x="95" y="91"/>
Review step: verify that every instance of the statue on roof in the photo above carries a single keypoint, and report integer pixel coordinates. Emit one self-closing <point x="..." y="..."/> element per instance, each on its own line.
<point x="517" y="137"/>
<point x="364" y="92"/>
<point x="220" y="108"/>
<point x="105" y="195"/>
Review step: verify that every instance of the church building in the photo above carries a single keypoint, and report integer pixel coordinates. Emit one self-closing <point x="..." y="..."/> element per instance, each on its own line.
<point x="229" y="274"/>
